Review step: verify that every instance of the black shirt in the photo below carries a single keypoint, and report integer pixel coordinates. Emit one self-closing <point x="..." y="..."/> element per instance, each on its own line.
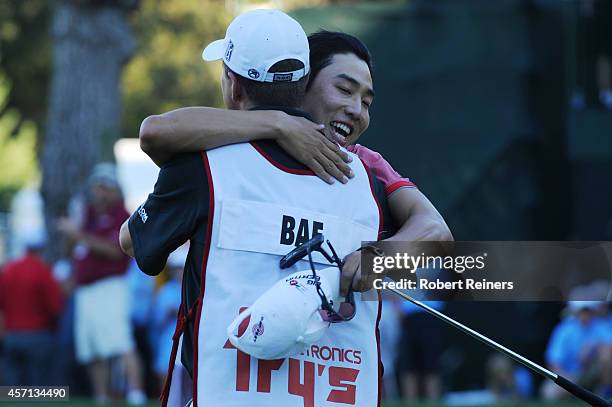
<point x="177" y="211"/>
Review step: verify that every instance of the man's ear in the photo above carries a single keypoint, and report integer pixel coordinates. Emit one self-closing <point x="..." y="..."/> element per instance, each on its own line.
<point x="236" y="90"/>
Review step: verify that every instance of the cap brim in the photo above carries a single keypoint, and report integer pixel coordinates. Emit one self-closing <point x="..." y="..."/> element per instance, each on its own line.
<point x="214" y="50"/>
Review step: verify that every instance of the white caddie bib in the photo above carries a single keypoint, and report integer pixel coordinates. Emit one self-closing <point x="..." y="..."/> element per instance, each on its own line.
<point x="261" y="211"/>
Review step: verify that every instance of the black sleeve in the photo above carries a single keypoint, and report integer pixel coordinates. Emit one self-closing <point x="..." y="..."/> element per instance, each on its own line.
<point x="171" y="214"/>
<point x="389" y="227"/>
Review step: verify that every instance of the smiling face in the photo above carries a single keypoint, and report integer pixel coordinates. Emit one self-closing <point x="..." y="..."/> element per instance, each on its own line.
<point x="340" y="97"/>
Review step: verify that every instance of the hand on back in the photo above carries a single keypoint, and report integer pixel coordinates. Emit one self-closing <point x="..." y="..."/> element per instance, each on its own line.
<point x="306" y="142"/>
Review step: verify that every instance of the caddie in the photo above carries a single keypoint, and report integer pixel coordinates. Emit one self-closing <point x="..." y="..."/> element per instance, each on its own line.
<point x="242" y="207"/>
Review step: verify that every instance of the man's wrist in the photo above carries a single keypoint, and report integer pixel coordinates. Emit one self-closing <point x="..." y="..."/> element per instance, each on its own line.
<point x="278" y="123"/>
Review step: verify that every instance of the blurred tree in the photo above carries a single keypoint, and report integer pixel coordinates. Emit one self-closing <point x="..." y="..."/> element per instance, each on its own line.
<point x="17" y="148"/>
<point x="24" y="75"/>
<point x="92" y="41"/>
<point x="168" y="72"/>
<point x="25" y="57"/>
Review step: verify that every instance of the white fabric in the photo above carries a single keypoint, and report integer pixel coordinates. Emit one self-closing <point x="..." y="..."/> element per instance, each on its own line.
<point x="180" y="391"/>
<point x="102" y="320"/>
<point x="258" y="39"/>
<point x="178" y="258"/>
<point x="343" y="365"/>
<point x="236" y="215"/>
<point x="285" y="320"/>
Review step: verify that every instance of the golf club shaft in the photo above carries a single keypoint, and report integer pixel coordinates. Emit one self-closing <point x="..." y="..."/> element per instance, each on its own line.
<point x="568" y="385"/>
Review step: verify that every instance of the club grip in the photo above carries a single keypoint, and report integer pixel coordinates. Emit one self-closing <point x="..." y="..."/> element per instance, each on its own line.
<point x="301" y="251"/>
<point x="581" y="392"/>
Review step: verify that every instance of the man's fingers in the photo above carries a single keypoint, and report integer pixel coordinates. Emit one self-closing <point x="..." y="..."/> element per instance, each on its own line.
<point x="336" y="149"/>
<point x="345" y="156"/>
<point x="318" y="153"/>
<point x="331" y="145"/>
<point x="319" y="171"/>
<point x="331" y="135"/>
<point x="334" y="137"/>
<point x="346" y="279"/>
<point x="331" y="168"/>
<point x="337" y="162"/>
<point x="351" y="273"/>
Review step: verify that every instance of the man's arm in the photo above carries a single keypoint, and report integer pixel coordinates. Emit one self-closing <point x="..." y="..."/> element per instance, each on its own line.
<point x="419" y="219"/>
<point x="170" y="215"/>
<point x="125" y="239"/>
<point x="416" y="217"/>
<point x="204" y="128"/>
<point x="99" y="245"/>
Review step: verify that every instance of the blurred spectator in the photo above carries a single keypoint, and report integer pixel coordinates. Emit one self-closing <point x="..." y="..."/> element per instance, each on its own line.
<point x="167" y="303"/>
<point x="30" y="303"/>
<point x="142" y="288"/>
<point x="506" y="381"/>
<point x="1" y="336"/>
<point x="63" y="360"/>
<point x="420" y="349"/>
<point x="606" y="313"/>
<point x="579" y="349"/>
<point x="594" y="73"/>
<point x="102" y="309"/>
<point x="500" y="378"/>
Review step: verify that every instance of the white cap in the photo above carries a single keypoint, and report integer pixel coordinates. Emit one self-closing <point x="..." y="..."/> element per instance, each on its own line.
<point x="258" y="39"/>
<point x="104" y="174"/>
<point x="286" y="319"/>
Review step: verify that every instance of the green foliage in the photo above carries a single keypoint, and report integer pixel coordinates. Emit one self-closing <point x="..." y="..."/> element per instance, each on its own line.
<point x="167" y="71"/>
<point x="18" y="164"/>
<point x="25" y="56"/>
<point x="25" y="61"/>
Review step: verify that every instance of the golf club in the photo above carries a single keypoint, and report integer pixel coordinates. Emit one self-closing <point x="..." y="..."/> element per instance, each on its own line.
<point x="580" y="392"/>
<point x="568" y="385"/>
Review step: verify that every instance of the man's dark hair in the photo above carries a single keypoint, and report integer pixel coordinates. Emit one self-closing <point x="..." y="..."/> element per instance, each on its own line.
<point x="281" y="94"/>
<point x="325" y="44"/>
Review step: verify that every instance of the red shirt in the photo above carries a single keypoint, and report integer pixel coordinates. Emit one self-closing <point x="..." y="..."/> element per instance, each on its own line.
<point x="91" y="267"/>
<point x="30" y="298"/>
